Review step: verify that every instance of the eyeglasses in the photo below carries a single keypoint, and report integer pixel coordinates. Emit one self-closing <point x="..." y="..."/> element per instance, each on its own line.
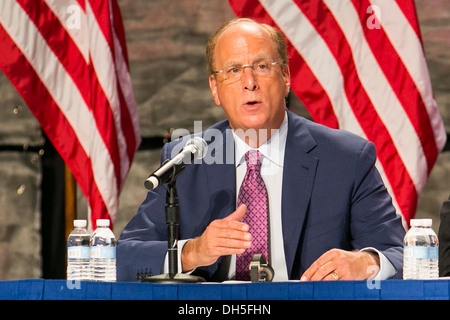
<point x="234" y="73"/>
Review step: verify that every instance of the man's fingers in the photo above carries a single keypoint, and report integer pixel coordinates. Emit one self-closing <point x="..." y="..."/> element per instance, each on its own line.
<point x="239" y="214"/>
<point x="321" y="268"/>
<point x="222" y="237"/>
<point x="231" y="234"/>
<point x="355" y="265"/>
<point x="233" y="221"/>
<point x="318" y="272"/>
<point x="231" y="244"/>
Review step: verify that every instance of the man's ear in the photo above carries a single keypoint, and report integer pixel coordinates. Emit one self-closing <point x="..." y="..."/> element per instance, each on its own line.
<point x="213" y="87"/>
<point x="287" y="80"/>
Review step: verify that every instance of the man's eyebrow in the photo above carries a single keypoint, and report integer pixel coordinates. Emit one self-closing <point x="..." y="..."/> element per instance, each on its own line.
<point x="260" y="58"/>
<point x="231" y="64"/>
<point x="255" y="60"/>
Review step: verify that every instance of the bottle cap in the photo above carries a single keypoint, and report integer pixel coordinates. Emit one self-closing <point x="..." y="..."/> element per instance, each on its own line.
<point x="102" y="222"/>
<point x="79" y="223"/>
<point x="421" y="222"/>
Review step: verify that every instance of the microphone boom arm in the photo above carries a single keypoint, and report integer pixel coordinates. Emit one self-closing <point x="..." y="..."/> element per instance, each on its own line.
<point x="171" y="168"/>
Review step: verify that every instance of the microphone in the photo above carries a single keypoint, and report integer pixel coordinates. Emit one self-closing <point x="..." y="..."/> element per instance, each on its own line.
<point x="195" y="148"/>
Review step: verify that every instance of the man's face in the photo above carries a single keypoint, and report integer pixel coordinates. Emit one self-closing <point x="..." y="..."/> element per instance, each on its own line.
<point x="253" y="101"/>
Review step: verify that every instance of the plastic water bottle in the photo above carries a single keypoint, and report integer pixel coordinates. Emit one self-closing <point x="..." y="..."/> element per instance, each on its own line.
<point x="78" y="252"/>
<point x="421" y="251"/>
<point x="103" y="253"/>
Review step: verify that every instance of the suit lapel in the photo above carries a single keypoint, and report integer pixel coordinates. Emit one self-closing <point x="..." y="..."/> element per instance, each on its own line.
<point x="221" y="179"/>
<point x="298" y="179"/>
<point x="220" y="172"/>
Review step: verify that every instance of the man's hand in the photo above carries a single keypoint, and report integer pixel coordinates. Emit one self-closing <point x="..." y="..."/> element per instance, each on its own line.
<point x="337" y="264"/>
<point x="222" y="237"/>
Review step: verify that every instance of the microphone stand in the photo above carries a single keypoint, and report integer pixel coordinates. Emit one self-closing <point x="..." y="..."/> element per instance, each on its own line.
<point x="173" y="221"/>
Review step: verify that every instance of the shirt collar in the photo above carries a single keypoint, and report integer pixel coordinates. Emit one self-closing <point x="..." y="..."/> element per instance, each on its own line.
<point x="272" y="149"/>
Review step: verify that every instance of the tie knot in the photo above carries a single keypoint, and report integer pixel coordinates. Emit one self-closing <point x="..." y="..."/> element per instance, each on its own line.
<point x="253" y="159"/>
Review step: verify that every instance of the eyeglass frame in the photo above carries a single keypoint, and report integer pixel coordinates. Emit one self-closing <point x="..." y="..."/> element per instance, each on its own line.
<point x="242" y="69"/>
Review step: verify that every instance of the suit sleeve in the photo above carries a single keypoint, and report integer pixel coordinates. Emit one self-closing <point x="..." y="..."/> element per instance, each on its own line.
<point x="142" y="245"/>
<point x="374" y="221"/>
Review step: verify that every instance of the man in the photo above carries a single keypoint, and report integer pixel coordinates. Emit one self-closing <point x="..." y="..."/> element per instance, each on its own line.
<point x="444" y="240"/>
<point x="329" y="215"/>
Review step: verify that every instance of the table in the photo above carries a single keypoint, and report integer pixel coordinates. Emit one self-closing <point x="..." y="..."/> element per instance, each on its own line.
<point x="42" y="289"/>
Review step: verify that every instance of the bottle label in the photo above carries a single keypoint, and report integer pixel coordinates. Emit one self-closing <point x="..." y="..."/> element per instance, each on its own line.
<point x="421" y="252"/>
<point x="434" y="252"/>
<point x="78" y="252"/>
<point x="103" y="252"/>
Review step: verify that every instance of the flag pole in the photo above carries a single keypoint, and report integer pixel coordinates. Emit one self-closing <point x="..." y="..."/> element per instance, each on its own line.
<point x="70" y="200"/>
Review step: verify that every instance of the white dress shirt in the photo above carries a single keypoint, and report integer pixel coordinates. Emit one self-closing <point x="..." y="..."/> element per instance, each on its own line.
<point x="272" y="174"/>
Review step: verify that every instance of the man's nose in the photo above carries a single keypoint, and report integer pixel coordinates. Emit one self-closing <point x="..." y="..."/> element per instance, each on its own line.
<point x="249" y="80"/>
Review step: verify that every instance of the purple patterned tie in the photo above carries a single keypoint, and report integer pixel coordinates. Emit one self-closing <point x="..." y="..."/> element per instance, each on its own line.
<point x="253" y="194"/>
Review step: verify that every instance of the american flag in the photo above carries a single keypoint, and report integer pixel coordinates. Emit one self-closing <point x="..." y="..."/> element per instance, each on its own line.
<point x="68" y="60"/>
<point x="359" y="65"/>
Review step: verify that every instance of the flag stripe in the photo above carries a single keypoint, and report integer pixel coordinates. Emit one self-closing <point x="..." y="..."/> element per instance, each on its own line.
<point x="81" y="3"/>
<point x="118" y="32"/>
<point x="380" y="92"/>
<point x="372" y="83"/>
<point x="103" y="163"/>
<point x="84" y="70"/>
<point x="69" y="12"/>
<point x="51" y="115"/>
<point x="129" y="117"/>
<point x="300" y="73"/>
<point x="407" y="43"/>
<point x="409" y="11"/>
<point x="370" y="124"/>
<point x="23" y="31"/>
<point x="404" y="87"/>
<point x="65" y="94"/>
<point x="103" y="70"/>
<point x="398" y="171"/>
<point x="59" y="42"/>
<point x="105" y="53"/>
<point x="394" y="67"/>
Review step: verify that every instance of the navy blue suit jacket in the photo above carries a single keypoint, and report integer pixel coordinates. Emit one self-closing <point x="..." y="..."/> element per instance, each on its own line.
<point x="332" y="197"/>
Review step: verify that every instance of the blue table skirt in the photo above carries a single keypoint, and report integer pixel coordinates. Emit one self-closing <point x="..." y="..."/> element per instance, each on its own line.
<point x="40" y="289"/>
